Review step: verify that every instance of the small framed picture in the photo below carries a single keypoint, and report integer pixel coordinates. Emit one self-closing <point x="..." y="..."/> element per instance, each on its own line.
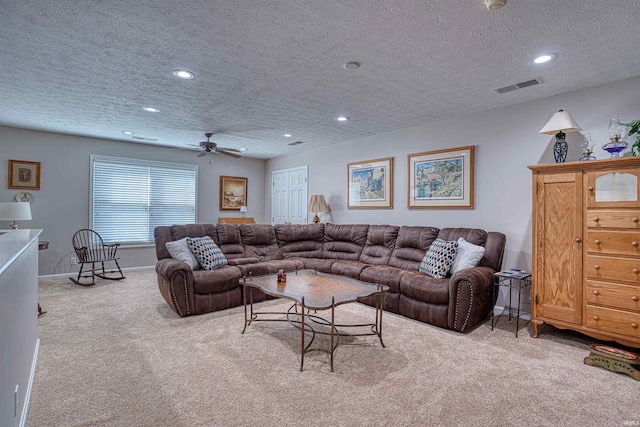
<point x="370" y="184"/>
<point x="441" y="179"/>
<point x="24" y="175"/>
<point x="233" y="193"/>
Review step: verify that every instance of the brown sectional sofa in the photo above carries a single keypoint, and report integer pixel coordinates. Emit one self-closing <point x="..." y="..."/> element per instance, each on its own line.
<point x="384" y="254"/>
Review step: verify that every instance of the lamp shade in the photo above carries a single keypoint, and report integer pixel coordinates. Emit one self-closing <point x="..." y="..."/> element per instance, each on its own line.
<point x="243" y="209"/>
<point x="15" y="211"/>
<point x="317" y="204"/>
<point x="560" y="122"/>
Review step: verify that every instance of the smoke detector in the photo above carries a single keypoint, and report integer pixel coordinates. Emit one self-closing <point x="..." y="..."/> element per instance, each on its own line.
<point x="494" y="4"/>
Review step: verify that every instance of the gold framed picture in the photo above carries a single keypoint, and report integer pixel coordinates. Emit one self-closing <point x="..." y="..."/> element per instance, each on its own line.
<point x="441" y="179"/>
<point x="233" y="193"/>
<point x="24" y="175"/>
<point x="370" y="184"/>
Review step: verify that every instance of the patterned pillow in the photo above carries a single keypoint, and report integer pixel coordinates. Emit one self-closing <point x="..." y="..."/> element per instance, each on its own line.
<point x="207" y="252"/>
<point x="438" y="259"/>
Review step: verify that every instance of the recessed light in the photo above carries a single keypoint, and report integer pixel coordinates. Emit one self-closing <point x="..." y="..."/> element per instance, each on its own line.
<point x="352" y="65"/>
<point x="243" y="149"/>
<point x="545" y="58"/>
<point x="126" y="132"/>
<point x="342" y="119"/>
<point x="151" y="109"/>
<point x="184" y="74"/>
<point x="287" y="135"/>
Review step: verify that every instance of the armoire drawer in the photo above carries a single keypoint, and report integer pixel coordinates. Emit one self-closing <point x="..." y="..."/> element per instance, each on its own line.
<point x="612" y="268"/>
<point x="614" y="242"/>
<point x="613" y="219"/>
<point x="616" y="321"/>
<point x="613" y="295"/>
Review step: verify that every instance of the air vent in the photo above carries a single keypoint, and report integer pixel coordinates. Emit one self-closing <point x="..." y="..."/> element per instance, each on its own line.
<point x="520" y="85"/>
<point x="296" y="143"/>
<point x="140" y="138"/>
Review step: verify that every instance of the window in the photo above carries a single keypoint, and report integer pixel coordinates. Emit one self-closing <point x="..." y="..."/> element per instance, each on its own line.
<point x="129" y="197"/>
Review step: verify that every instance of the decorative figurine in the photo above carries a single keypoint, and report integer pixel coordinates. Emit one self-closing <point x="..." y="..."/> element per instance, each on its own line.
<point x="282" y="276"/>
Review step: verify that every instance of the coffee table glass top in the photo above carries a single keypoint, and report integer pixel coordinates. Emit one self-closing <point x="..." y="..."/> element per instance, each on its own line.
<point x="317" y="289"/>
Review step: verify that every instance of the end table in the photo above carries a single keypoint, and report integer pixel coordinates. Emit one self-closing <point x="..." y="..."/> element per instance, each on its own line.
<point x="513" y="278"/>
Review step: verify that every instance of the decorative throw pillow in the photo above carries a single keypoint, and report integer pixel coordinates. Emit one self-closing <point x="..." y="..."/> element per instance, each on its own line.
<point x="207" y="252"/>
<point x="469" y="255"/>
<point x="180" y="250"/>
<point x="438" y="259"/>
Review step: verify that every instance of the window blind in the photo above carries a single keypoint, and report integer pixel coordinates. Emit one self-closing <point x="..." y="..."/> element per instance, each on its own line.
<point x="130" y="197"/>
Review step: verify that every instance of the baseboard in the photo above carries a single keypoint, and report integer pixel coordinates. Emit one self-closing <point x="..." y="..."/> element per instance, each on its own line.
<point x="506" y="310"/>
<point x="32" y="374"/>
<point x="57" y="276"/>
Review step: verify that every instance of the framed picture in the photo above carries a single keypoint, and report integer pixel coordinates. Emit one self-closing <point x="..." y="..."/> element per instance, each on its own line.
<point x="370" y="184"/>
<point x="233" y="193"/>
<point x="24" y="175"/>
<point x="441" y="179"/>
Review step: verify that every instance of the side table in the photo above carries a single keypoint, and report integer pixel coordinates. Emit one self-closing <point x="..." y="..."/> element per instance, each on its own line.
<point x="513" y="278"/>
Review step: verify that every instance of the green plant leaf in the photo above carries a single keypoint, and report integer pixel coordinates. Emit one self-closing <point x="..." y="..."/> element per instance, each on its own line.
<point x="634" y="126"/>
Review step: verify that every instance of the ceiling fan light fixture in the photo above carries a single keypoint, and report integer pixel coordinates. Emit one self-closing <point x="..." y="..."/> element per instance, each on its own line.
<point x="184" y="74"/>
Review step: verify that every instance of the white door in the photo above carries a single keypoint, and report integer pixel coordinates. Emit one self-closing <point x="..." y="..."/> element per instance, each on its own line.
<point x="289" y="196"/>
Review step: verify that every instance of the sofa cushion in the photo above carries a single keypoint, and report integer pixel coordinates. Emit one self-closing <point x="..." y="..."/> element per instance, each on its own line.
<point x="259" y="241"/>
<point x="381" y="240"/>
<point x="383" y="275"/>
<point x="300" y="240"/>
<point x="348" y="268"/>
<point x="194" y="230"/>
<point x="321" y="265"/>
<point x="471" y="235"/>
<point x="419" y="286"/>
<point x="344" y="241"/>
<point x="180" y="250"/>
<point x="229" y="241"/>
<point x="270" y="267"/>
<point x="207" y="252"/>
<point x="213" y="281"/>
<point x="438" y="259"/>
<point x="411" y="245"/>
<point x="468" y="255"/>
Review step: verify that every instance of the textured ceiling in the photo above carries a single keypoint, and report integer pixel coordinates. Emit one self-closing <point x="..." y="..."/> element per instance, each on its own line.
<point x="264" y="68"/>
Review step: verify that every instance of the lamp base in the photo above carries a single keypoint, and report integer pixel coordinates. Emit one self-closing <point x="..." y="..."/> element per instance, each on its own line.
<point x="243" y="215"/>
<point x="14" y="226"/>
<point x="560" y="148"/>
<point x="316" y="219"/>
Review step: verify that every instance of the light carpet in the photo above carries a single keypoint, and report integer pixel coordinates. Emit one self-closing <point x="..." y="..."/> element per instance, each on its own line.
<point x="116" y="355"/>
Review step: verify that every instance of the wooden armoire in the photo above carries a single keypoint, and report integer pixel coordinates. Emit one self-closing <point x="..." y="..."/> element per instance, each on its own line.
<point x="586" y="258"/>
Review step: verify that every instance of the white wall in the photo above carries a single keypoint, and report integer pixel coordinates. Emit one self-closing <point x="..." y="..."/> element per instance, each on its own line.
<point x="506" y="141"/>
<point x="61" y="207"/>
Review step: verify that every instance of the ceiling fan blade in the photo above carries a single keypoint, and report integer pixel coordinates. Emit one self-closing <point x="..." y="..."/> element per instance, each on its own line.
<point x="202" y="154"/>
<point x="228" y="149"/>
<point x="235" y="156"/>
<point x="192" y="145"/>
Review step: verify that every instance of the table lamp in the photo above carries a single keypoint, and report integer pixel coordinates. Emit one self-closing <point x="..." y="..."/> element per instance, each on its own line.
<point x="560" y="123"/>
<point x="243" y="210"/>
<point x="317" y="204"/>
<point x="15" y="211"/>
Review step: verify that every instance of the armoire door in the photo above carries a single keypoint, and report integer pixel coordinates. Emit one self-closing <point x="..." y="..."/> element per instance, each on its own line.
<point x="558" y="275"/>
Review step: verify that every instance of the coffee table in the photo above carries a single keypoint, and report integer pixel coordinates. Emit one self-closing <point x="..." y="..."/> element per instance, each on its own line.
<point x="312" y="290"/>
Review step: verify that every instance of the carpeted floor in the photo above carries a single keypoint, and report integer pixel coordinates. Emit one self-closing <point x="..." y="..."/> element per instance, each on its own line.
<point x="117" y="355"/>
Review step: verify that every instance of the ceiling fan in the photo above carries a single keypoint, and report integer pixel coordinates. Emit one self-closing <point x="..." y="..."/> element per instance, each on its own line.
<point x="208" y="147"/>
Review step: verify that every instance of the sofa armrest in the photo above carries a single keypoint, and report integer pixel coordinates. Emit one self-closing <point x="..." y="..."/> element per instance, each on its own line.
<point x="175" y="280"/>
<point x="469" y="297"/>
<point x="242" y="261"/>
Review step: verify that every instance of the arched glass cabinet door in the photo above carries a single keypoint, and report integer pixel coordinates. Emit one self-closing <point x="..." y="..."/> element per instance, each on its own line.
<point x="613" y="189"/>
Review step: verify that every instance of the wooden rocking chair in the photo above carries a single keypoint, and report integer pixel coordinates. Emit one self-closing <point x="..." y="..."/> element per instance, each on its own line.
<point x="91" y="249"/>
